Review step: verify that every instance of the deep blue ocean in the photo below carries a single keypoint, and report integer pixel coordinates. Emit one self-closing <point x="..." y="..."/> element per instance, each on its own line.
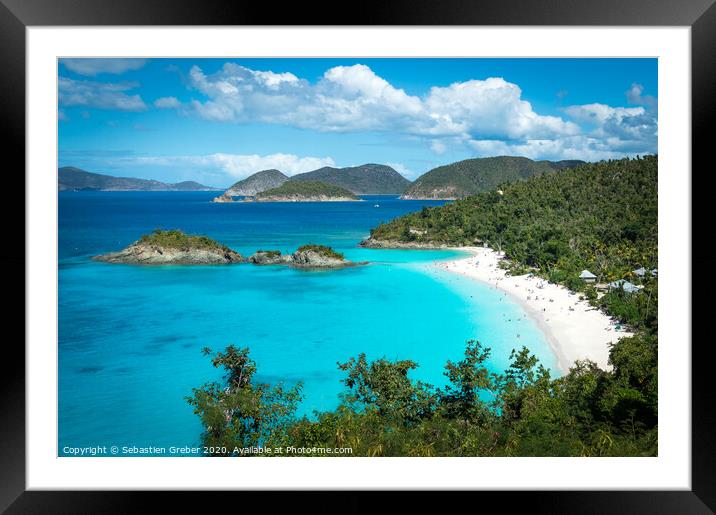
<point x="130" y="337"/>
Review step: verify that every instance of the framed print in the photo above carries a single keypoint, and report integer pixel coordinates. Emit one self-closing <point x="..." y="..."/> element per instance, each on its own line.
<point x="420" y="252"/>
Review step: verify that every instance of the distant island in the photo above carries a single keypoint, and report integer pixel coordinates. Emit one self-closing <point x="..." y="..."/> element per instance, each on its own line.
<point x="472" y="176"/>
<point x="256" y="183"/>
<point x="368" y="179"/>
<point x="71" y="178"/>
<point x="305" y="191"/>
<point x="173" y="247"/>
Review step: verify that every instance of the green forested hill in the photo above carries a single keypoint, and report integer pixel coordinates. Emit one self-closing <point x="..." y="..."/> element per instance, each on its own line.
<point x="472" y="176"/>
<point x="368" y="179"/>
<point x="256" y="183"/>
<point x="600" y="216"/>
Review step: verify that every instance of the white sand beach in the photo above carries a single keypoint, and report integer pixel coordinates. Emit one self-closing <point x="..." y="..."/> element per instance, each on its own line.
<point x="574" y="329"/>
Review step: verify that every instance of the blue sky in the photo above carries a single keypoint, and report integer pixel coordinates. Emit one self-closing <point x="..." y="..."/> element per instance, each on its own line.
<point x="219" y="120"/>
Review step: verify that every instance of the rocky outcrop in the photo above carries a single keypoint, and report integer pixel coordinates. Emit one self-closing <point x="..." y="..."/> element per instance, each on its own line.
<point x="223" y="198"/>
<point x="373" y="243"/>
<point x="306" y="257"/>
<point x="321" y="257"/>
<point x="270" y="257"/>
<point x="314" y="259"/>
<point x="150" y="254"/>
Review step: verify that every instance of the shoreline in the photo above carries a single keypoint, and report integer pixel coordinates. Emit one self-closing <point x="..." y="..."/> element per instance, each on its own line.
<point x="573" y="328"/>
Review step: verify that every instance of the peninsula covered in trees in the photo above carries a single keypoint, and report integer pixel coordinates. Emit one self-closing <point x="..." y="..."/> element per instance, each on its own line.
<point x="599" y="216"/>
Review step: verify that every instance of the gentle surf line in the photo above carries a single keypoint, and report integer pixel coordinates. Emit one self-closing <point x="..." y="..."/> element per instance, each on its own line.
<point x="574" y="329"/>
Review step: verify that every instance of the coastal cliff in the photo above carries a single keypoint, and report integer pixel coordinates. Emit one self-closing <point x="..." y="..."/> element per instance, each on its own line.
<point x="173" y="248"/>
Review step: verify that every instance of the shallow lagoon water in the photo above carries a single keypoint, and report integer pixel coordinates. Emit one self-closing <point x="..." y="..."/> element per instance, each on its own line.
<point x="130" y="337"/>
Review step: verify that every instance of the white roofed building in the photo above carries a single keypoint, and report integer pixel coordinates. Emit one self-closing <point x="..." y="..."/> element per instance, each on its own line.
<point x="587" y="276"/>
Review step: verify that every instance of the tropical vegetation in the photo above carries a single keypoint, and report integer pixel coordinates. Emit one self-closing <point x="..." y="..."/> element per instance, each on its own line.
<point x="306" y="189"/>
<point x="601" y="217"/>
<point x="176" y="239"/>
<point x="368" y="179"/>
<point x="471" y="176"/>
<point x="321" y="249"/>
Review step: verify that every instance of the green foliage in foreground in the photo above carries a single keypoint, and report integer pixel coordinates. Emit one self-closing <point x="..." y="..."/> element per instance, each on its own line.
<point x="307" y="189"/>
<point x="520" y="412"/>
<point x="240" y="413"/>
<point x="321" y="249"/>
<point x="176" y="239"/>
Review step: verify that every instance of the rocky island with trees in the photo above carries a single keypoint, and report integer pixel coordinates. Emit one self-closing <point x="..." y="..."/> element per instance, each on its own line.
<point x="174" y="247"/>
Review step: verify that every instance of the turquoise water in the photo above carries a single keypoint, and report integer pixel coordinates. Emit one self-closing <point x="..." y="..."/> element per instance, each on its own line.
<point x="130" y="337"/>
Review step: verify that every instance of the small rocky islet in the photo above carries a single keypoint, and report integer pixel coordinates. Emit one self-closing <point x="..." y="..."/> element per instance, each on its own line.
<point x="174" y="247"/>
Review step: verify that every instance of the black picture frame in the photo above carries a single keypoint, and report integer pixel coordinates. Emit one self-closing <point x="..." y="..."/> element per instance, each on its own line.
<point x="17" y="15"/>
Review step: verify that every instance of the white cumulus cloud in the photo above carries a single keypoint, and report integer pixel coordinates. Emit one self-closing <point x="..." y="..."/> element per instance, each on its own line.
<point x="491" y="108"/>
<point x="624" y="130"/>
<point x="487" y="115"/>
<point x="355" y="98"/>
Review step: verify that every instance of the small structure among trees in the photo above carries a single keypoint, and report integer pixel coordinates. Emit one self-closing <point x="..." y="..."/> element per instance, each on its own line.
<point x="587" y="276"/>
<point x="625" y="285"/>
